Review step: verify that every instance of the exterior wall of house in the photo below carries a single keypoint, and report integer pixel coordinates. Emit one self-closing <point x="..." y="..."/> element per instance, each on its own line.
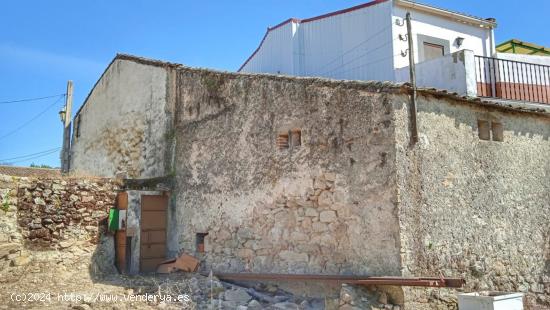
<point x="476" y="39"/>
<point x="276" y="52"/>
<point x="352" y="196"/>
<point x="323" y="206"/>
<point x="331" y="46"/>
<point x="454" y="73"/>
<point x="122" y="127"/>
<point x="355" y="46"/>
<point x="361" y="44"/>
<point x="474" y="208"/>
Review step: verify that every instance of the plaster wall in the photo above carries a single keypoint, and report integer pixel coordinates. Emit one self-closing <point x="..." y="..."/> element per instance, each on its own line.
<point x="326" y="206"/>
<point x="455" y="73"/>
<point x="474" y="208"/>
<point x="122" y="127"/>
<point x="476" y="39"/>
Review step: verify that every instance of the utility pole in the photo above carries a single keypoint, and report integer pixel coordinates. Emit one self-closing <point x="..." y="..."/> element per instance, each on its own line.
<point x="66" y="117"/>
<point x="412" y="72"/>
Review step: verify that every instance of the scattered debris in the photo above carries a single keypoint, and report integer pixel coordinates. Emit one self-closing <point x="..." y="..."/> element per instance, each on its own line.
<point x="184" y="262"/>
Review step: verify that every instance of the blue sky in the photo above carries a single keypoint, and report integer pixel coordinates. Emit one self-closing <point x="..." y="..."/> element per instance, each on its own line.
<point x="45" y="43"/>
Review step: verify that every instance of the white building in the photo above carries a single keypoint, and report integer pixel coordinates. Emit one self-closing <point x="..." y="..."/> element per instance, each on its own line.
<point x="363" y="42"/>
<point x="368" y="42"/>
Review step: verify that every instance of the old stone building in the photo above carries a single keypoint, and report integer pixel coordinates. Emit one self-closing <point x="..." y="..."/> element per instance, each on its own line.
<point x="268" y="173"/>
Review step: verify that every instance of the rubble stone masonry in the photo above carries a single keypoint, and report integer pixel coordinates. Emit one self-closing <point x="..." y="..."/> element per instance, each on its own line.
<point x="50" y="210"/>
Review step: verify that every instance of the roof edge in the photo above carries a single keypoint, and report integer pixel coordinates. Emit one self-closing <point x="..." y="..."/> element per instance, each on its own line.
<point x="391" y="87"/>
<point x="486" y="22"/>
<point x="306" y="20"/>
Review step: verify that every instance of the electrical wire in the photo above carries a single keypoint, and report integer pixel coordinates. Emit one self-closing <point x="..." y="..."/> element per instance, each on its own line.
<point x="30" y="99"/>
<point x="32" y="119"/>
<point x="353" y="48"/>
<point x="359" y="57"/>
<point x="30" y="155"/>
<point x="34" y="157"/>
<point x="369" y="63"/>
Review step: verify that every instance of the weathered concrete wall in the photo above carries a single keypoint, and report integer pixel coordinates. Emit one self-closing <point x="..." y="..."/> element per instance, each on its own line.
<point x="326" y="206"/>
<point x="474" y="208"/>
<point x="123" y="128"/>
<point x="455" y="73"/>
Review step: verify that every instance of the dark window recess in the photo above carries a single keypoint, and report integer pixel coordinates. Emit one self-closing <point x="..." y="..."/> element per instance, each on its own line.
<point x="483" y="130"/>
<point x="200" y="241"/>
<point x="498" y="131"/>
<point x="432" y="51"/>
<point x="282" y="141"/>
<point x="77" y="130"/>
<point x="296" y="137"/>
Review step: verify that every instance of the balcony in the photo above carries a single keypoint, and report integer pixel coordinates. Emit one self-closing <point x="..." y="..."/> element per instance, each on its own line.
<point x="506" y="77"/>
<point x="512" y="80"/>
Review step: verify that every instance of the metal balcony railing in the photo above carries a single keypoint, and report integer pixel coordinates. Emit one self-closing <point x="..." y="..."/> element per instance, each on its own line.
<point x="512" y="80"/>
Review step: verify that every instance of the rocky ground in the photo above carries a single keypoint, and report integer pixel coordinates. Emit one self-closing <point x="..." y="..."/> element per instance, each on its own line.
<point x="65" y="279"/>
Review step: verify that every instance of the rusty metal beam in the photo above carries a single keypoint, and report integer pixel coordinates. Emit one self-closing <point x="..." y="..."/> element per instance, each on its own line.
<point x="360" y="280"/>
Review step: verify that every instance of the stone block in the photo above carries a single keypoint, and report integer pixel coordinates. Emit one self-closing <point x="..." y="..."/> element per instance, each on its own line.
<point x="319" y="227"/>
<point x="294" y="257"/>
<point x="311" y="212"/>
<point x="239" y="296"/>
<point x="325" y="199"/>
<point x="21" y="260"/>
<point x="327" y="216"/>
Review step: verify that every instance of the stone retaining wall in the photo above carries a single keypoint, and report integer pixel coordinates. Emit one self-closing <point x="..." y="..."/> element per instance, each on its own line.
<point x="50" y="213"/>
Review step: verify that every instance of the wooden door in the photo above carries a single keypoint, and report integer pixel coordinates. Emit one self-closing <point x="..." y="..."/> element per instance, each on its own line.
<point x="153" y="231"/>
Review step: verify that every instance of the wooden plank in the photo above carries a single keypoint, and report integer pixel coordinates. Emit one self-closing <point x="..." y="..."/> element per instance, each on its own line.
<point x="150" y="264"/>
<point x="122" y="201"/>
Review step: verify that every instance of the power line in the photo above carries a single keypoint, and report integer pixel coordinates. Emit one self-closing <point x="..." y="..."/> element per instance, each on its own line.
<point x="359" y="57"/>
<point x="30" y="155"/>
<point x="368" y="63"/>
<point x="32" y="119"/>
<point x="30" y="99"/>
<point x="34" y="157"/>
<point x="353" y="48"/>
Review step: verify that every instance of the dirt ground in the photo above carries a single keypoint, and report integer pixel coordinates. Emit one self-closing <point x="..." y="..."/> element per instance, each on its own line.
<point x="63" y="280"/>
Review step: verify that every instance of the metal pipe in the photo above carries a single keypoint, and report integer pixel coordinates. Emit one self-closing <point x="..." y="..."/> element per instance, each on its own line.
<point x="360" y="280"/>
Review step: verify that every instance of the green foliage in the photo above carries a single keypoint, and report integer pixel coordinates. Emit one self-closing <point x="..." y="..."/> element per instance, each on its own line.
<point x="5" y="202"/>
<point x="33" y="165"/>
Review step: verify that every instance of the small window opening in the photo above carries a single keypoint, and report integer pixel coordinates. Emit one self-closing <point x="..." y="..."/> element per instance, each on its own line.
<point x="200" y="241"/>
<point x="483" y="130"/>
<point x="78" y="126"/>
<point x="432" y="51"/>
<point x="282" y="141"/>
<point x="296" y="137"/>
<point x="498" y="131"/>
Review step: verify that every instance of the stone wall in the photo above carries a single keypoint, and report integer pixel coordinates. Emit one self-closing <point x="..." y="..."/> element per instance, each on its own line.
<point x="51" y="213"/>
<point x="323" y="205"/>
<point x="53" y="210"/>
<point x="474" y="208"/>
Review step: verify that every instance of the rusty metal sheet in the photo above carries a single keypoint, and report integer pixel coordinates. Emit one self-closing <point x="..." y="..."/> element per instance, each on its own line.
<point x="153" y="236"/>
<point x="153" y="220"/>
<point x="152" y="250"/>
<point x="154" y="202"/>
<point x="153" y="231"/>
